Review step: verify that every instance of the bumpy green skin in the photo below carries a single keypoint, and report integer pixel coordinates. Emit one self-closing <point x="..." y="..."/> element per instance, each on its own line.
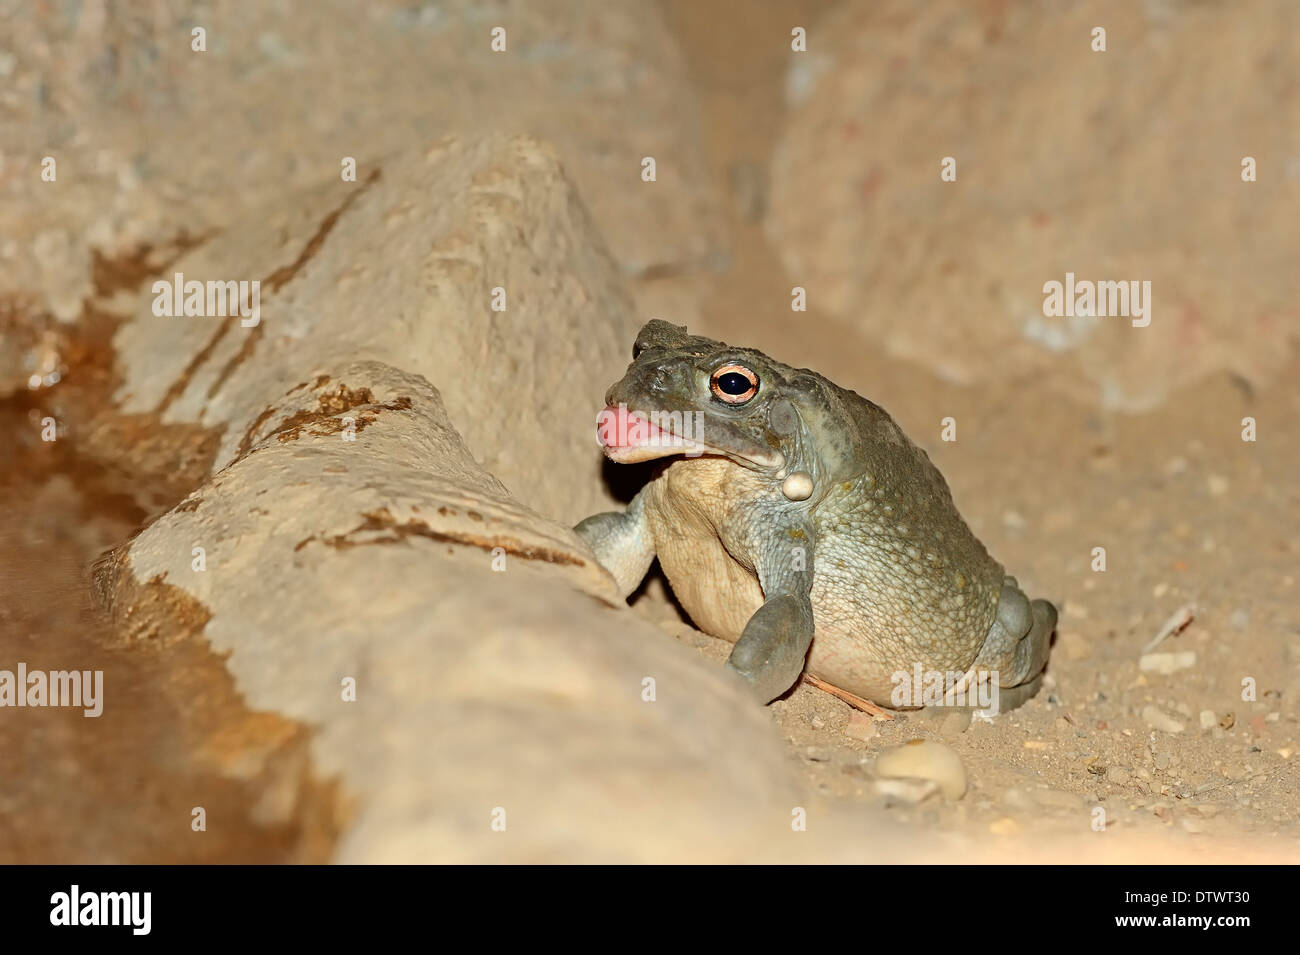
<point x="861" y="555"/>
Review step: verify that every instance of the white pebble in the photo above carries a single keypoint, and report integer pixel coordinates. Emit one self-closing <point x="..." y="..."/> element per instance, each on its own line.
<point x="1160" y="720"/>
<point x="907" y="792"/>
<point x="925" y="759"/>
<point x="861" y="726"/>
<point x="1167" y="663"/>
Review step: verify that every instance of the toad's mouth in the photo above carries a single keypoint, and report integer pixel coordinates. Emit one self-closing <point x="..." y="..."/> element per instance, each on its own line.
<point x="631" y="436"/>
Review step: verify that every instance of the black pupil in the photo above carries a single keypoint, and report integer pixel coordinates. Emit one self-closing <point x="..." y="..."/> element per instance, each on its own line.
<point x="733" y="383"/>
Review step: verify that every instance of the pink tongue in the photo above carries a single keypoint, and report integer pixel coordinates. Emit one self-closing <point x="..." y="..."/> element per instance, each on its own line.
<point x="618" y="428"/>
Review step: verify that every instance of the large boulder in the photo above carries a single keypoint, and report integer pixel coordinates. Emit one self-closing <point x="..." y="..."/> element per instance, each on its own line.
<point x="400" y="268"/>
<point x="463" y="662"/>
<point x="345" y="538"/>
<point x="153" y="139"/>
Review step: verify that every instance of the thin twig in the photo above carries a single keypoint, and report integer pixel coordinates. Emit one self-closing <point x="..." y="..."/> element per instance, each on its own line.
<point x="1176" y="623"/>
<point x="856" y="702"/>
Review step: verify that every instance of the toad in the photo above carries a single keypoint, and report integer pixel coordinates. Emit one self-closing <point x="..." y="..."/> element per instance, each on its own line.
<point x="795" y="519"/>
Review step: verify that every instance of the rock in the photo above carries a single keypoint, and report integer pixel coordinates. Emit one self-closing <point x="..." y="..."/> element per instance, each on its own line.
<point x="399" y="269"/>
<point x="905" y="792"/>
<point x="1006" y="826"/>
<point x="137" y="161"/>
<point x="1167" y="663"/>
<point x="1117" y="775"/>
<point x="925" y="759"/>
<point x="861" y="217"/>
<point x="1157" y="719"/>
<point x="861" y="726"/>
<point x="1208" y="719"/>
<point x="395" y="569"/>
<point x="31" y="356"/>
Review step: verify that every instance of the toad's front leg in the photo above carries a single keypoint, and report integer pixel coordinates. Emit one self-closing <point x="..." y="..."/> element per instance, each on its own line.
<point x="622" y="542"/>
<point x="771" y="651"/>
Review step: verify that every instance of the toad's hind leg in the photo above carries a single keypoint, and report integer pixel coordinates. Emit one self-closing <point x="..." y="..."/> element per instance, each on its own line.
<point x="1017" y="645"/>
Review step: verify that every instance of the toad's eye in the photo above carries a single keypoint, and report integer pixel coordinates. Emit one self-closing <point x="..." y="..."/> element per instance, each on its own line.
<point x="734" y="384"/>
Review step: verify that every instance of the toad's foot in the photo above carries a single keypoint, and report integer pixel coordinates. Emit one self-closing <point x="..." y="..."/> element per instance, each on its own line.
<point x="770" y="653"/>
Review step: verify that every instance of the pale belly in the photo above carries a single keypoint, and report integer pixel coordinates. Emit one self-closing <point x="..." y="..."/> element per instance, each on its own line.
<point x="720" y="594"/>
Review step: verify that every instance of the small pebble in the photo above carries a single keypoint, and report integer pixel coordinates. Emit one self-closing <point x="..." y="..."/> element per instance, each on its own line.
<point x="818" y="723"/>
<point x="1006" y="826"/>
<point x="905" y="792"/>
<point x="861" y="726"/>
<point x="1167" y="663"/>
<point x="925" y="759"/>
<point x="1208" y="719"/>
<point x="1157" y="719"/>
<point x="1117" y="775"/>
<point x="1162" y="760"/>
